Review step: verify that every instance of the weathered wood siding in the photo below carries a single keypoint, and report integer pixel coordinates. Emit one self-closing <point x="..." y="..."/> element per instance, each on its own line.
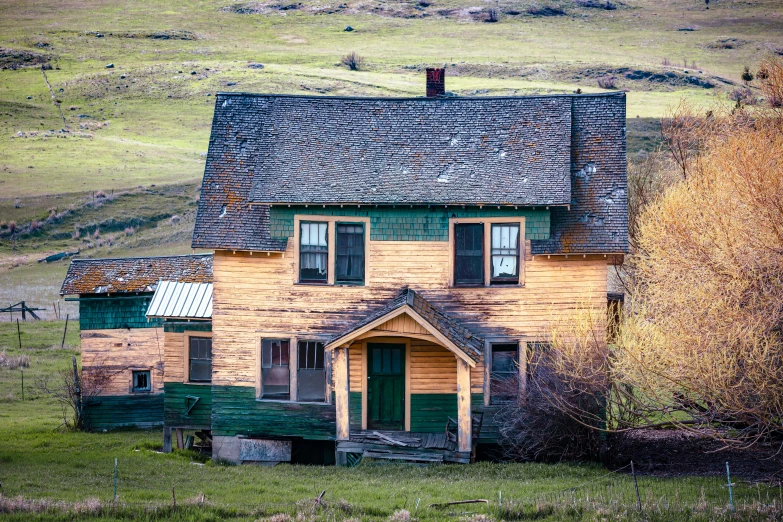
<point x="255" y="296"/>
<point x="116" y="353"/>
<point x="179" y="398"/>
<point x="102" y="312"/>
<point x="115" y="411"/>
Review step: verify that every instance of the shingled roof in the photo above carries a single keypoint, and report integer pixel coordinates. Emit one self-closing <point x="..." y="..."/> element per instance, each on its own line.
<point x="134" y="274"/>
<point x="466" y="341"/>
<point x="555" y="150"/>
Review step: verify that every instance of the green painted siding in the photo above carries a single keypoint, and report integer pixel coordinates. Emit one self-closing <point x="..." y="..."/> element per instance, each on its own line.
<point x="114" y="411"/>
<point x="235" y="411"/>
<point x="195" y="326"/>
<point x="355" y="409"/>
<point x="409" y="224"/>
<point x="430" y="412"/>
<point x="121" y="312"/>
<point x="176" y="405"/>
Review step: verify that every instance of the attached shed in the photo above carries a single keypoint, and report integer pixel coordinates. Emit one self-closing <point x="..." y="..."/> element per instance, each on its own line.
<point x="122" y="350"/>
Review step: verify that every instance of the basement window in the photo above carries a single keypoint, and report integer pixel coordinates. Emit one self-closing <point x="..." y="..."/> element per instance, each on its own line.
<point x="312" y="372"/>
<point x="275" y="375"/>
<point x="200" y="359"/>
<point x="504" y="373"/>
<point x="142" y="382"/>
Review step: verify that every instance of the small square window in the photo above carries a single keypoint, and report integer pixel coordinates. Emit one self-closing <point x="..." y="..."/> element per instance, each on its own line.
<point x="142" y="381"/>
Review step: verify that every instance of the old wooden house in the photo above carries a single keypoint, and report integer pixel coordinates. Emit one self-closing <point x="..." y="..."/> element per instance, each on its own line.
<point x="381" y="264"/>
<point x="122" y="350"/>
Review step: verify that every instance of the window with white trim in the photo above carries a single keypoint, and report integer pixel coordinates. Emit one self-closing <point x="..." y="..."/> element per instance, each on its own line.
<point x="311" y="376"/>
<point x="275" y="374"/>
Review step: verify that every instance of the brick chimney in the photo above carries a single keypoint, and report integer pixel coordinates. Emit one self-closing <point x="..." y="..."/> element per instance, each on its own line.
<point x="436" y="82"/>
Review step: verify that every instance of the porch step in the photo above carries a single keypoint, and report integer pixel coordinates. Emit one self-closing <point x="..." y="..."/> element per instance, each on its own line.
<point x="408" y="456"/>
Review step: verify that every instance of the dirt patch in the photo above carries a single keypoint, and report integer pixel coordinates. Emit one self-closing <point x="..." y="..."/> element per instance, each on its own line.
<point x="13" y="59"/>
<point x="674" y="453"/>
<point x="155" y="35"/>
<point x="727" y="43"/>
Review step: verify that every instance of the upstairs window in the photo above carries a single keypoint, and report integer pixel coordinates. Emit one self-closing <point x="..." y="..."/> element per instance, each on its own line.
<point x="275" y="375"/>
<point x="504" y="373"/>
<point x="505" y="253"/>
<point x="349" y="254"/>
<point x="313" y="252"/>
<point x="469" y="254"/>
<point x="142" y="382"/>
<point x="312" y="372"/>
<point x="200" y="363"/>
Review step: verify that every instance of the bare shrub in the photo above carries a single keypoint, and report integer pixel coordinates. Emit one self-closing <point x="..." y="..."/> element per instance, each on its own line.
<point x="770" y="77"/>
<point x="702" y="345"/>
<point x="492" y="16"/>
<point x="607" y="82"/>
<point x="353" y="61"/>
<point x="100" y="194"/>
<point x="742" y="96"/>
<point x="747" y="76"/>
<point x="74" y="390"/>
<point x="565" y="403"/>
<point x="17" y="203"/>
<point x="14" y="362"/>
<point x="96" y="233"/>
<point x="666" y="62"/>
<point x="3" y="225"/>
<point x="129" y="231"/>
<point x="35" y="225"/>
<point x="174" y="219"/>
<point x="648" y="178"/>
<point x="11" y="227"/>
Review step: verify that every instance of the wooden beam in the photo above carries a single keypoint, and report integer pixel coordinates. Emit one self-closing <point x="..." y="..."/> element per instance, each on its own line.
<point x="341" y="395"/>
<point x="464" y="417"/>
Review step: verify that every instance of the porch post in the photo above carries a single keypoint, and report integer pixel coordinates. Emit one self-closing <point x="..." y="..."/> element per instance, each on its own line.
<point x="340" y="372"/>
<point x="464" y="417"/>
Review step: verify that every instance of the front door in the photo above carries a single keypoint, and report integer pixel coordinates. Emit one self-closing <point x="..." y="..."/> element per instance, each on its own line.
<point x="386" y="386"/>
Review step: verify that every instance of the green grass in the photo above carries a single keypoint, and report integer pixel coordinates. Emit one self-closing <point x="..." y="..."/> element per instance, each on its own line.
<point x="40" y="461"/>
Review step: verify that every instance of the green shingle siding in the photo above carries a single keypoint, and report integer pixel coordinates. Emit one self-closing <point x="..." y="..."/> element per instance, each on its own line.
<point x="120" y="312"/>
<point x="176" y="405"/>
<point x="114" y="411"/>
<point x="409" y="224"/>
<point x="180" y="327"/>
<point x="355" y="410"/>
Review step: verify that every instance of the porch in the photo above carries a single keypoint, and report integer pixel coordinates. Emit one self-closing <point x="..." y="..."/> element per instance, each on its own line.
<point x="400" y="445"/>
<point x="402" y="385"/>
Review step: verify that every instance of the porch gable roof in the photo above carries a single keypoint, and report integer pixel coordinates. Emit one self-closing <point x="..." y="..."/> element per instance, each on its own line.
<point x="455" y="337"/>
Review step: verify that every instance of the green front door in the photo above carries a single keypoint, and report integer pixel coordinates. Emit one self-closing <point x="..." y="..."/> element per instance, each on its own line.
<point x="386" y="386"/>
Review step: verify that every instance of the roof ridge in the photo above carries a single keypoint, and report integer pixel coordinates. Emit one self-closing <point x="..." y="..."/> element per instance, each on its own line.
<point x="418" y="98"/>
<point x="209" y="254"/>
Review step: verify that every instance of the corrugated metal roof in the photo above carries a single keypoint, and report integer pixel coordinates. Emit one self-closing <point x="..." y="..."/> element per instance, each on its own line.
<point x="181" y="300"/>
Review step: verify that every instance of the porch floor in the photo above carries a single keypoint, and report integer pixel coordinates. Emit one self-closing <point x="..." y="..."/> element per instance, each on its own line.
<point x="403" y="445"/>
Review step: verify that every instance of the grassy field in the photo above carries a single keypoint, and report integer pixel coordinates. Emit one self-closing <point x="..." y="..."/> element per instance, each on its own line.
<point x="60" y="468"/>
<point x="139" y="129"/>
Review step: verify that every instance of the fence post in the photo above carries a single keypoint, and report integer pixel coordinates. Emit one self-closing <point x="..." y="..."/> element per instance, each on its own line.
<point x="62" y="345"/>
<point x="115" y="481"/>
<point x="22" y="370"/>
<point x="24" y="307"/>
<point x="731" y="493"/>
<point x="636" y="486"/>
<point x="19" y="333"/>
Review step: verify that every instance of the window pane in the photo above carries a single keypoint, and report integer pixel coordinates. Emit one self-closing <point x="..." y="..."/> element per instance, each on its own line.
<point x="313" y="251"/>
<point x="504" y="361"/>
<point x="200" y="359"/>
<point x="505" y="252"/>
<point x="274" y="352"/>
<point x="469" y="255"/>
<point x="349" y="253"/>
<point x="312" y="385"/>
<point x="311" y="355"/>
<point x="141" y="381"/>
<point x="275" y="382"/>
<point x="504" y="373"/>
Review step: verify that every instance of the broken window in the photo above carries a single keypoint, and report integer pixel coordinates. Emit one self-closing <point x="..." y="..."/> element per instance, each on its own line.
<point x="313" y="252"/>
<point x="505" y="253"/>
<point x="349" y="254"/>
<point x="275" y="376"/>
<point x="200" y="359"/>
<point x="312" y="372"/>
<point x="142" y="381"/>
<point x="504" y="373"/>
<point x="469" y="254"/>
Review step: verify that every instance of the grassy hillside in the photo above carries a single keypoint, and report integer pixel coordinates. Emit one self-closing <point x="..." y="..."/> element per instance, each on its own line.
<point x="143" y="123"/>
